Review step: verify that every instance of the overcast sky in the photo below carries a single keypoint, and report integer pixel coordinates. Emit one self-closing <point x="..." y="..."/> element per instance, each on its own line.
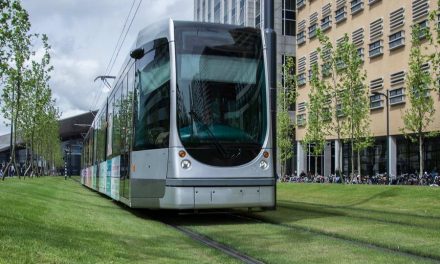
<point x="83" y="35"/>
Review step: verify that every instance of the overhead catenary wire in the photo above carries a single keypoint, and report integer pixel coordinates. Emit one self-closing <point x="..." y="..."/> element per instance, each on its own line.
<point x="119" y="45"/>
<point x="99" y="93"/>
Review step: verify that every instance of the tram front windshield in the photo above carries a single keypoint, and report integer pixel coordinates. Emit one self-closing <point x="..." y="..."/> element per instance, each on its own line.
<point x="221" y="106"/>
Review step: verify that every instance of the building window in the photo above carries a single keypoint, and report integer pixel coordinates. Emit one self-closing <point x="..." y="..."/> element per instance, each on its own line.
<point x="424" y="28"/>
<point x="301" y="38"/>
<point x="203" y="10"/>
<point x="300" y="3"/>
<point x="340" y="14"/>
<point x="357" y="6"/>
<point x="198" y="11"/>
<point x="376" y="101"/>
<point x="313" y="30"/>
<point x="339" y="110"/>
<point x="257" y="13"/>
<point x="301" y="120"/>
<point x="310" y="75"/>
<point x="241" y="22"/>
<point x="225" y="12"/>
<point x="233" y="12"/>
<point x="326" y="23"/>
<point x="376" y="49"/>
<point x="397" y="96"/>
<point x="289" y="73"/>
<point x="397" y="40"/>
<point x="209" y="10"/>
<point x="360" y="52"/>
<point x="326" y="69"/>
<point x="217" y="11"/>
<point x="301" y="79"/>
<point x="289" y="18"/>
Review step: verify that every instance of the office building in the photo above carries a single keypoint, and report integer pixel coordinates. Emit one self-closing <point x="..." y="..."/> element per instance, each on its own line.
<point x="381" y="30"/>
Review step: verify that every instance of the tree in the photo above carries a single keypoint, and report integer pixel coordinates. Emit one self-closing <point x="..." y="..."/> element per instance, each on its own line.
<point x="27" y="98"/>
<point x="331" y="81"/>
<point x="285" y="126"/>
<point x="435" y="43"/>
<point x="37" y="101"/>
<point x="318" y="116"/>
<point x="16" y="51"/>
<point x="355" y="101"/>
<point x="420" y="112"/>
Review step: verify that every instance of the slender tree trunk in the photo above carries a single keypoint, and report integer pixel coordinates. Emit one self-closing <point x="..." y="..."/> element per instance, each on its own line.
<point x="352" y="161"/>
<point x="420" y="155"/>
<point x="359" y="162"/>
<point x="316" y="165"/>
<point x="341" y="170"/>
<point x="16" y="125"/>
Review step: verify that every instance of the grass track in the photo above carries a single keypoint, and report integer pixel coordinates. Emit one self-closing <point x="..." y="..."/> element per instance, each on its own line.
<point x="50" y="220"/>
<point x="404" y="218"/>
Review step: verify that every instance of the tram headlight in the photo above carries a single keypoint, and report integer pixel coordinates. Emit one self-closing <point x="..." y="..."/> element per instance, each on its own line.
<point x="186" y="164"/>
<point x="264" y="165"/>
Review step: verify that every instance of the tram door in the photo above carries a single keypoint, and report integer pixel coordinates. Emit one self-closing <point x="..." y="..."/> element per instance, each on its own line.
<point x="126" y="113"/>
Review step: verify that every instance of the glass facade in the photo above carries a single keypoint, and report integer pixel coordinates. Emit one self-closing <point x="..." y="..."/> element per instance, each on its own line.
<point x="289" y="18"/>
<point x="217" y="11"/>
<point x="257" y="13"/>
<point x="233" y="11"/>
<point x="225" y="11"/>
<point x="242" y="13"/>
<point x="408" y="155"/>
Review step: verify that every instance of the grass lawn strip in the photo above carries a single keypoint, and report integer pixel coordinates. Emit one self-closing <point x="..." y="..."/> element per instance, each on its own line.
<point x="413" y="234"/>
<point x="278" y="244"/>
<point x="50" y="220"/>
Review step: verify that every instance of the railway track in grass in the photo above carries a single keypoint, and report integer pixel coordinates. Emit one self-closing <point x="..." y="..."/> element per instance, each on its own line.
<point x="232" y="252"/>
<point x="411" y="255"/>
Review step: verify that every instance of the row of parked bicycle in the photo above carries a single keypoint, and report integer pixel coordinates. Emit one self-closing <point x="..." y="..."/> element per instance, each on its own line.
<point x="431" y="179"/>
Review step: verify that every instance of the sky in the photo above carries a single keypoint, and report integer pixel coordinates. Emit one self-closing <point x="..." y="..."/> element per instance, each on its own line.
<point x="83" y="35"/>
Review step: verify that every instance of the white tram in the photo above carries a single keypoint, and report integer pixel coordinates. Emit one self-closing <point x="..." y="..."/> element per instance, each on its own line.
<point x="187" y="124"/>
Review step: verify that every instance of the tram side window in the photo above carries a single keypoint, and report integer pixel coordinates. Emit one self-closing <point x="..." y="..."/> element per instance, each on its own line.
<point x="130" y="99"/>
<point x="109" y="126"/>
<point x="101" y="137"/>
<point x="152" y="115"/>
<point x="116" y="134"/>
<point x="95" y="142"/>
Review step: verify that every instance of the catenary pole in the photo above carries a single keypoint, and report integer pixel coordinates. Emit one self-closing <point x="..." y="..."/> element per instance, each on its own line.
<point x="271" y="55"/>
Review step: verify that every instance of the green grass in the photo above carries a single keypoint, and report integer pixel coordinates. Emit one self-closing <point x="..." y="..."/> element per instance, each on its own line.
<point x="404" y="218"/>
<point x="275" y="244"/>
<point x="50" y="220"/>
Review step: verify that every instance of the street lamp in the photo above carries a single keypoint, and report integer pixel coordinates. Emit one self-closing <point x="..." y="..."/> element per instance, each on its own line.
<point x="388" y="133"/>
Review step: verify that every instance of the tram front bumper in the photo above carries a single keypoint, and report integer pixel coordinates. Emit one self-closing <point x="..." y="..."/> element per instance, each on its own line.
<point x="217" y="197"/>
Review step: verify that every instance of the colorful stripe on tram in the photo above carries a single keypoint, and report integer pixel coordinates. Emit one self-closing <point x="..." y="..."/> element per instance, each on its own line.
<point x="104" y="177"/>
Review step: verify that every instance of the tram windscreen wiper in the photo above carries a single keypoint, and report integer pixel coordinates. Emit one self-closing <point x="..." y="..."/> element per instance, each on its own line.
<point x="217" y="144"/>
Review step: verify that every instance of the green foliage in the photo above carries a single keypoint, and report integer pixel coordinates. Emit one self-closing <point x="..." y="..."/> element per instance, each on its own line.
<point x="435" y="44"/>
<point x="27" y="102"/>
<point x="319" y="115"/>
<point x="420" y="113"/>
<point x="285" y="126"/>
<point x="355" y="101"/>
<point x="330" y="82"/>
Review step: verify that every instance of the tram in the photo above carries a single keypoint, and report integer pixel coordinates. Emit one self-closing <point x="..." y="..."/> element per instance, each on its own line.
<point x="187" y="124"/>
